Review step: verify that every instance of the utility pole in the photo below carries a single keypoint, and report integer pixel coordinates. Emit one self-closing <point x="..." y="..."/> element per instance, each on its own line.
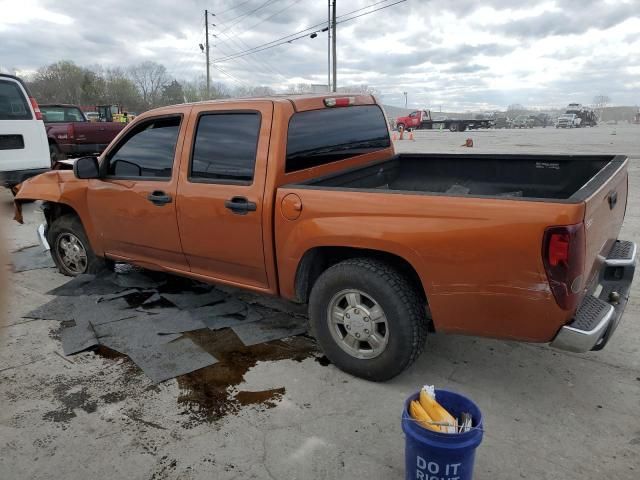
<point x="405" y="99"/>
<point x="206" y="42"/>
<point x="328" y="45"/>
<point x="333" y="47"/>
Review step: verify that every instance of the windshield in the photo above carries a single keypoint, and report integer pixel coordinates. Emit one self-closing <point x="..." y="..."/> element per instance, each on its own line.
<point x="52" y="114"/>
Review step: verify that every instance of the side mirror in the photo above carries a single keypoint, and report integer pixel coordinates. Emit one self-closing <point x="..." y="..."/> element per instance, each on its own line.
<point x="86" y="167"/>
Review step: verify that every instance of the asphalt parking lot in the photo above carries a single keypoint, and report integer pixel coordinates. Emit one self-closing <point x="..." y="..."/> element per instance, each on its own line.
<point x="548" y="414"/>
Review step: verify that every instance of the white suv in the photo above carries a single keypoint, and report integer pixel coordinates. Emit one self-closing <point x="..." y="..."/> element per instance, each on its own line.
<point x="24" y="149"/>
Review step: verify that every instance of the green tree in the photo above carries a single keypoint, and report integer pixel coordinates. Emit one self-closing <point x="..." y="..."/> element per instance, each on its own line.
<point x="172" y="93"/>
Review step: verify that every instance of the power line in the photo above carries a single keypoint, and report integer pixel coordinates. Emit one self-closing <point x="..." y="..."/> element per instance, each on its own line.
<point x="264" y="66"/>
<point x="273" y="15"/>
<point x="224" y="72"/>
<point x="234" y="7"/>
<point x="370" y="12"/>
<point x="306" y="32"/>
<point x="240" y="17"/>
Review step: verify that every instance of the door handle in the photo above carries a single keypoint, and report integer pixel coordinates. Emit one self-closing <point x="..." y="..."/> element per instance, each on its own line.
<point x="159" y="198"/>
<point x="240" y="205"/>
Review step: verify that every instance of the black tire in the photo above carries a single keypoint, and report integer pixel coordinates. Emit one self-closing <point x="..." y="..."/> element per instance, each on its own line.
<point x="401" y="304"/>
<point x="55" y="154"/>
<point x="63" y="228"/>
<point x="400" y="126"/>
<point x="453" y="127"/>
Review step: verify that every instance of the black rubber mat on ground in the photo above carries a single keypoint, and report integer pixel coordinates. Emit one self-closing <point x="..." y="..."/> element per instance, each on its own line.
<point x="143" y="315"/>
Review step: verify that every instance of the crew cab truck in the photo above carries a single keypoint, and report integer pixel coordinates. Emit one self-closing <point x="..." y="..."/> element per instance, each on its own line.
<point x="71" y="134"/>
<point x="421" y="119"/>
<point x="281" y="196"/>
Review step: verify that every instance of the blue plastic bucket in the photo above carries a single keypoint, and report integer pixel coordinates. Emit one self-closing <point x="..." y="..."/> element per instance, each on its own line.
<point x="433" y="455"/>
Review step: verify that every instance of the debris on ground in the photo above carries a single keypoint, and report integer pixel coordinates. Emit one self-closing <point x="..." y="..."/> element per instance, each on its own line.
<point x="31" y="258"/>
<point x="145" y="316"/>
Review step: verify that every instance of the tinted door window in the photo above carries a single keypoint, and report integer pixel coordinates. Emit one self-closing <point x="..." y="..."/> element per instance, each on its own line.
<point x="317" y="137"/>
<point x="13" y="104"/>
<point x="148" y="151"/>
<point x="225" y="147"/>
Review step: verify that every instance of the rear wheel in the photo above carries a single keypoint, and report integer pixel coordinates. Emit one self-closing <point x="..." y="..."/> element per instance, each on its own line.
<point x="368" y="318"/>
<point x="70" y="248"/>
<point x="453" y="127"/>
<point x="400" y="126"/>
<point x="55" y="154"/>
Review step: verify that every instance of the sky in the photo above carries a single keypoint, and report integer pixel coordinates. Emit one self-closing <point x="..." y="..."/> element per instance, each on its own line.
<point x="449" y="54"/>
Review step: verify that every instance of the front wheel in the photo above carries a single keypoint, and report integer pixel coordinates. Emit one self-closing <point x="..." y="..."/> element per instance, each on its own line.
<point x="70" y="248"/>
<point x="368" y="318"/>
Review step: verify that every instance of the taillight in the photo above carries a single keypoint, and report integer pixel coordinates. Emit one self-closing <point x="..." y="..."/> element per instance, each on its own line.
<point x="36" y="108"/>
<point x="71" y="132"/>
<point x="339" y="102"/>
<point x="563" y="252"/>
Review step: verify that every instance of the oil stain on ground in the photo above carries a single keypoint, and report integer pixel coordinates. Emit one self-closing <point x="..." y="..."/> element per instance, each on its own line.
<point x="207" y="394"/>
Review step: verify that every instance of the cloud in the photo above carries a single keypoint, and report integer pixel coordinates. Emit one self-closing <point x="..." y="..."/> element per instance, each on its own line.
<point x="575" y="21"/>
<point x="459" y="53"/>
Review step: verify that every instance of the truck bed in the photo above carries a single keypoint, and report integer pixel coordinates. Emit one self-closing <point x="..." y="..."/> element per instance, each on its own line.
<point x="535" y="177"/>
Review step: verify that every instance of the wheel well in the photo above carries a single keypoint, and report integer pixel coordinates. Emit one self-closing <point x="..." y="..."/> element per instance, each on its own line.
<point x="53" y="210"/>
<point x="317" y="260"/>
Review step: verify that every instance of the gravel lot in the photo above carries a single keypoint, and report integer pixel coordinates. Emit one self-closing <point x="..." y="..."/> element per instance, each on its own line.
<point x="548" y="414"/>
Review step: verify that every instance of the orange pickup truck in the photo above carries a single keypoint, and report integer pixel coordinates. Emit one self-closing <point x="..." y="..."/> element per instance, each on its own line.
<point x="284" y="196"/>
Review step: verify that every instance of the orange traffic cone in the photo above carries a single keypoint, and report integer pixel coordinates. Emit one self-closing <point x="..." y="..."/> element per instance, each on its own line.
<point x="394" y="137"/>
<point x="411" y="135"/>
<point x="401" y="134"/>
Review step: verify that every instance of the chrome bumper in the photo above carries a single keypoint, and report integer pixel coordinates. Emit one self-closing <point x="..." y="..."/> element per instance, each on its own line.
<point x="600" y="313"/>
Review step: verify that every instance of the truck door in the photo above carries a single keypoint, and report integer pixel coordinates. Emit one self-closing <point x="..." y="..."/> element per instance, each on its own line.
<point x="221" y="191"/>
<point x="133" y="204"/>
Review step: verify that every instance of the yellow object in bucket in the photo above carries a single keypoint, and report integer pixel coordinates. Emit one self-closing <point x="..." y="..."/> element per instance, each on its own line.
<point x="436" y="414"/>
<point x="418" y="413"/>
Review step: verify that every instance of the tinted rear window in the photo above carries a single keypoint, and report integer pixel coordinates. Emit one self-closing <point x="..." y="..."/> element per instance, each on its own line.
<point x="61" y="114"/>
<point x="13" y="103"/>
<point x="323" y="136"/>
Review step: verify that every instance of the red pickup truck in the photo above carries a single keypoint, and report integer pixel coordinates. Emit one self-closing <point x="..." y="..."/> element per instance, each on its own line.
<point x="281" y="196"/>
<point x="71" y="134"/>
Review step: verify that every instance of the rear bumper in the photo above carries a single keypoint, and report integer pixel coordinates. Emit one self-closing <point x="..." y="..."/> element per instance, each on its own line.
<point x="600" y="312"/>
<point x="9" y="179"/>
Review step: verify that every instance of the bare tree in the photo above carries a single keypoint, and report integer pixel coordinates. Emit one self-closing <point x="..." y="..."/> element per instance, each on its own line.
<point x="600" y="102"/>
<point x="362" y="89"/>
<point x="149" y="78"/>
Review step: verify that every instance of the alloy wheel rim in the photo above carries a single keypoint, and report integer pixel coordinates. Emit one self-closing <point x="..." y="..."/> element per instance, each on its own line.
<point x="358" y="324"/>
<point x="72" y="253"/>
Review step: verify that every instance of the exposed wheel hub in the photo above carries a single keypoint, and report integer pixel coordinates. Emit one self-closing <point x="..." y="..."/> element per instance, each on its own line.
<point x="357" y="322"/>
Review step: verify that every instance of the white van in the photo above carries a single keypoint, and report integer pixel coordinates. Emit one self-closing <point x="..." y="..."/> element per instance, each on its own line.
<point x="24" y="149"/>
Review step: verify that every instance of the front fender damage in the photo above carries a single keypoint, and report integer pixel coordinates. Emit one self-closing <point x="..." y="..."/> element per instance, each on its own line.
<point x="49" y="186"/>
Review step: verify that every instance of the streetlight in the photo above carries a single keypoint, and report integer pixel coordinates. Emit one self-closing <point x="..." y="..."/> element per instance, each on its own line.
<point x="405" y="99"/>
